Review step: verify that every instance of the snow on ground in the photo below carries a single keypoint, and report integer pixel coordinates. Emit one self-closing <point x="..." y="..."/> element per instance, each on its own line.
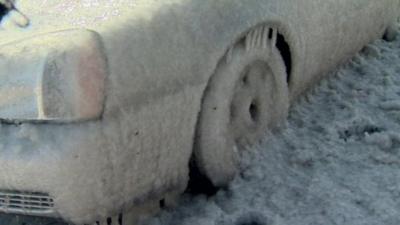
<point x="337" y="162"/>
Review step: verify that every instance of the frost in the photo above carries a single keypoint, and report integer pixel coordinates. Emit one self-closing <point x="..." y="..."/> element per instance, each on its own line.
<point x="142" y="146"/>
<point x="382" y="140"/>
<point x="391" y="105"/>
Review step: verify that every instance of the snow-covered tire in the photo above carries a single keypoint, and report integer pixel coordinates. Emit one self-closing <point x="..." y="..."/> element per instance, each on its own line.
<point x="246" y="96"/>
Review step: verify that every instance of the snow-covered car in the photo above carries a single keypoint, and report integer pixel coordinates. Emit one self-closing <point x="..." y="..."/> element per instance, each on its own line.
<point x="106" y="106"/>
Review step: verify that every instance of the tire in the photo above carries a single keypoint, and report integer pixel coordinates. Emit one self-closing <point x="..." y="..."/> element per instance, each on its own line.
<point x="247" y="95"/>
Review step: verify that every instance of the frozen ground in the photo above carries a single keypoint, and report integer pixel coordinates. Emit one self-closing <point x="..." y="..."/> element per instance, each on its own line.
<point x="337" y="162"/>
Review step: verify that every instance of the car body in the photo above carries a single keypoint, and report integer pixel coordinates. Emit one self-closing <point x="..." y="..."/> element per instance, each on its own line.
<point x="152" y="61"/>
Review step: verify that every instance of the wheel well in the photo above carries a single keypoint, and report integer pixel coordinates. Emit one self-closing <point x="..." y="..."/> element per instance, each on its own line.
<point x="284" y="49"/>
<point x="286" y="54"/>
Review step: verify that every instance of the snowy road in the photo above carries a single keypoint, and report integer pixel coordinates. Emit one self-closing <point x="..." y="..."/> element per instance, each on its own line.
<point x="337" y="162"/>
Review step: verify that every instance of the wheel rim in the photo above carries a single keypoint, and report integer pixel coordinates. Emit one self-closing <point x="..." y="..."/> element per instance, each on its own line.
<point x="249" y="109"/>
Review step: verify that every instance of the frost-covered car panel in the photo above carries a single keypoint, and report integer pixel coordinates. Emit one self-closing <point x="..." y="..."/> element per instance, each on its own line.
<point x="162" y="59"/>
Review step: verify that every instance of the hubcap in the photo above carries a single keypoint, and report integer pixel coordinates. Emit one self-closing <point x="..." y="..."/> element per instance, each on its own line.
<point x="249" y="108"/>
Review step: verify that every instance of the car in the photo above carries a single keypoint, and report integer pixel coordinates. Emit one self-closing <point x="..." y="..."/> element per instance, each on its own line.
<point x="108" y="107"/>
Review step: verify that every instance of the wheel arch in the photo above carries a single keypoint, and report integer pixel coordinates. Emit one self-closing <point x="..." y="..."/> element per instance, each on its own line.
<point x="286" y="42"/>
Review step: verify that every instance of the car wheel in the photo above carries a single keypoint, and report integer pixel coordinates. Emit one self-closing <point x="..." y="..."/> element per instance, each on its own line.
<point x="247" y="95"/>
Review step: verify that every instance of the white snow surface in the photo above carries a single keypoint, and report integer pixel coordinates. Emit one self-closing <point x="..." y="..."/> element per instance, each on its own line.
<point x="336" y="162"/>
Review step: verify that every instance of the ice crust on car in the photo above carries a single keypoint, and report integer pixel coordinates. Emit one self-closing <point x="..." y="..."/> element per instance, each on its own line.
<point x="160" y="55"/>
